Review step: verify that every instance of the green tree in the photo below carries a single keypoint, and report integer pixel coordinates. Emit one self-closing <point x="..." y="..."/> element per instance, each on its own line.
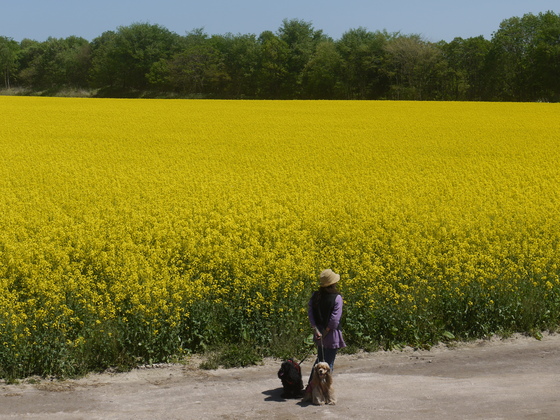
<point x="9" y="50"/>
<point x="467" y="60"/>
<point x="31" y="73"/>
<point x="322" y="72"/>
<point x="546" y="52"/>
<point x="273" y="70"/>
<point x="362" y="53"/>
<point x="524" y="57"/>
<point x="301" y="40"/>
<point x="123" y="59"/>
<point x="55" y="63"/>
<point x="76" y="61"/>
<point x="104" y="68"/>
<point x="240" y="54"/>
<point x="416" y="67"/>
<point x="196" y="69"/>
<point x="509" y="59"/>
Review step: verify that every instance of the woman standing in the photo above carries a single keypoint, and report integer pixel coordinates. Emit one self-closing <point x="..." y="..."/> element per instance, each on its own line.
<point x="325" y="311"/>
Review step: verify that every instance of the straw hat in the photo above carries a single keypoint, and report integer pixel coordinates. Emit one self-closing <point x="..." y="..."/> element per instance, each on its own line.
<point x="328" y="278"/>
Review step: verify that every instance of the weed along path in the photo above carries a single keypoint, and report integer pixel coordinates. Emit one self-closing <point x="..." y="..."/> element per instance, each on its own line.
<point x="515" y="378"/>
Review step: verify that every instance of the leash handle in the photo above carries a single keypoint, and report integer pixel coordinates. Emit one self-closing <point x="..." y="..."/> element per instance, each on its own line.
<point x="322" y="347"/>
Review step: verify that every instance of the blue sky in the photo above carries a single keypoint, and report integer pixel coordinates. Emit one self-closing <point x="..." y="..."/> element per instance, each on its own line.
<point x="435" y="20"/>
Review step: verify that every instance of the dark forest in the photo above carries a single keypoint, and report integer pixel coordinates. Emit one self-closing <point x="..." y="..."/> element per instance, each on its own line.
<point x="521" y="62"/>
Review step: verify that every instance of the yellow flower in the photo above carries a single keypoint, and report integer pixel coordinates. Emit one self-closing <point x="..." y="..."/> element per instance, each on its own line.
<point x="137" y="214"/>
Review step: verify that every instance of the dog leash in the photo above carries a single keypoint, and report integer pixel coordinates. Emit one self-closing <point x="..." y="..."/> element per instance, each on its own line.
<point x="310" y="350"/>
<point x="322" y="348"/>
<point x="306" y="356"/>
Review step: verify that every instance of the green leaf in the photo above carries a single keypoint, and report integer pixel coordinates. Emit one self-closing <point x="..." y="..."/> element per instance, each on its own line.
<point x="538" y="335"/>
<point x="448" y="335"/>
<point x="309" y="340"/>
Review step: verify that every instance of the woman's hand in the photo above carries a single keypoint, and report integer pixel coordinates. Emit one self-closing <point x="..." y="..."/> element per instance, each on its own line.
<point x="318" y="334"/>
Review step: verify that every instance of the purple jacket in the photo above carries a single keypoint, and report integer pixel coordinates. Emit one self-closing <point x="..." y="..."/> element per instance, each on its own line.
<point x="333" y="339"/>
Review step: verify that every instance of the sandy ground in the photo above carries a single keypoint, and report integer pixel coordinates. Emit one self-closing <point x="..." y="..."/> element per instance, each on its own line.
<point x="516" y="378"/>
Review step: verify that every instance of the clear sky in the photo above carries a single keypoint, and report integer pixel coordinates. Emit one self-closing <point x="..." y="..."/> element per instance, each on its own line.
<point x="435" y="20"/>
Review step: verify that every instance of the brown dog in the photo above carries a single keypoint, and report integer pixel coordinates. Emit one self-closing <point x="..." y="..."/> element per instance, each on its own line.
<point x="321" y="391"/>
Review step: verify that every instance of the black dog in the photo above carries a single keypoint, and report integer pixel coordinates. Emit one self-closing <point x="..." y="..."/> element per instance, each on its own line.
<point x="290" y="375"/>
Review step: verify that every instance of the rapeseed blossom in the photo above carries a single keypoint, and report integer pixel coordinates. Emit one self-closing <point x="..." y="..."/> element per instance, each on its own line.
<point x="140" y="229"/>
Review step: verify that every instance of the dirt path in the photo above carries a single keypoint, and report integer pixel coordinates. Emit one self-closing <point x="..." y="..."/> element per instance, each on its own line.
<point x="517" y="378"/>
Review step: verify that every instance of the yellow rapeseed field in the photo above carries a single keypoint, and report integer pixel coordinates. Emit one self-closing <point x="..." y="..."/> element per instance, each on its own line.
<point x="135" y="230"/>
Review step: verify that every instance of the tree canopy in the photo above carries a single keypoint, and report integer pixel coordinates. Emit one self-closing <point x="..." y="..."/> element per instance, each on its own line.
<point x="521" y="62"/>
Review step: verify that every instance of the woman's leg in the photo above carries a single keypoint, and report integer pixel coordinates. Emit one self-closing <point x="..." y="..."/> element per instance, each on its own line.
<point x="328" y="356"/>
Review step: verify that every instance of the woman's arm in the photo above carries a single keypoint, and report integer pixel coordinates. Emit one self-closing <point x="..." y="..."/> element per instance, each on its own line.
<point x="311" y="317"/>
<point x="336" y="314"/>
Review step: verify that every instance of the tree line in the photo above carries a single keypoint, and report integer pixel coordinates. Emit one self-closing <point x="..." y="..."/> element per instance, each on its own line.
<point x="521" y="62"/>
